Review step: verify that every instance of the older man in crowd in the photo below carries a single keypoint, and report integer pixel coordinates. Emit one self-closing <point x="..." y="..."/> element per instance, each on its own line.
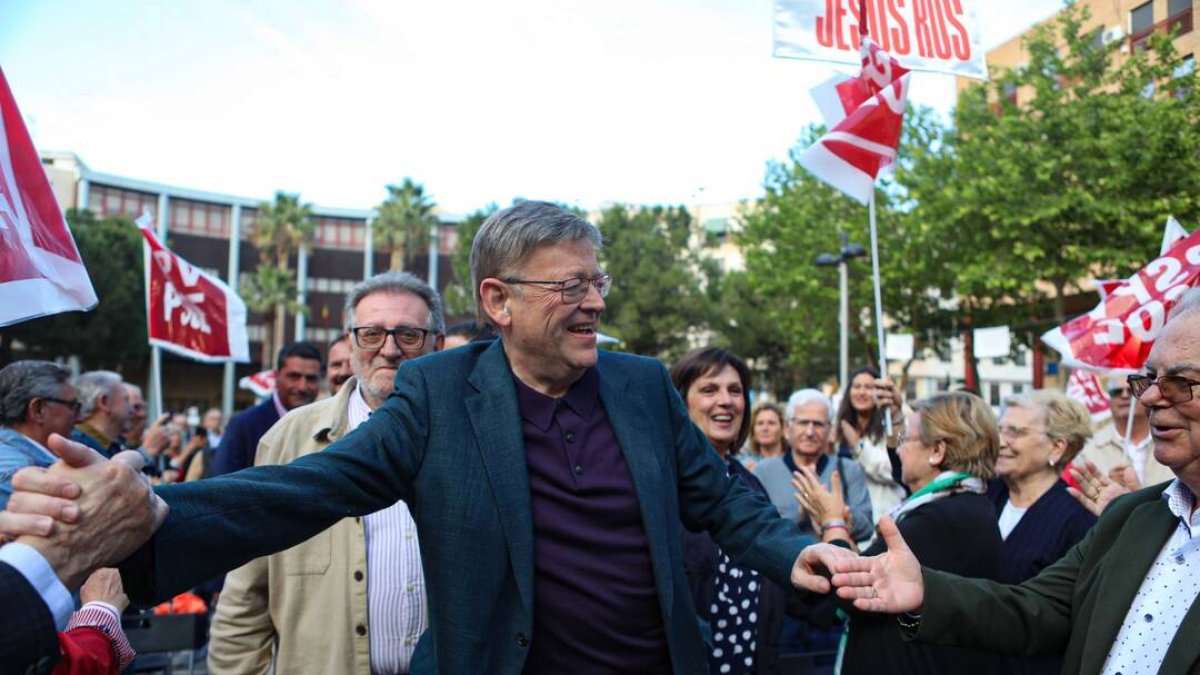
<point x="548" y="482"/>
<point x="297" y="383"/>
<point x="1124" y="599"/>
<point x="36" y="399"/>
<point x="1132" y="464"/>
<point x="307" y="604"/>
<point x="105" y="412"/>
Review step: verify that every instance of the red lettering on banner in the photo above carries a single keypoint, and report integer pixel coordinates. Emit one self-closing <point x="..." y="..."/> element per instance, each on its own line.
<point x="941" y="39"/>
<point x="877" y="24"/>
<point x="843" y="28"/>
<point x="960" y="40"/>
<point x="921" y="27"/>
<point x="900" y="42"/>
<point x="824" y="29"/>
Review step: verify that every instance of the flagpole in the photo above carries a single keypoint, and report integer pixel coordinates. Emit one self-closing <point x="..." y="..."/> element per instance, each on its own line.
<point x="1129" y="426"/>
<point x="887" y="413"/>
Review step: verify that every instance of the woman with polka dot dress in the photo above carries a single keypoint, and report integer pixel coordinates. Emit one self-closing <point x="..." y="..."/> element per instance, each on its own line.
<point x="740" y="610"/>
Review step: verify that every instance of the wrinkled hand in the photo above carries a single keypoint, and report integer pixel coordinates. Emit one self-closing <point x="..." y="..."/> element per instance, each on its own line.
<point x="820" y="504"/>
<point x="1126" y="477"/>
<point x="890" y="582"/>
<point x="114" y="512"/>
<point x="104" y="585"/>
<point x="815" y="564"/>
<point x="1095" y="489"/>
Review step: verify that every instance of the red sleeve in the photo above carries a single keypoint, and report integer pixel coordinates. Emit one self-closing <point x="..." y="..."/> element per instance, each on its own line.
<point x="86" y="651"/>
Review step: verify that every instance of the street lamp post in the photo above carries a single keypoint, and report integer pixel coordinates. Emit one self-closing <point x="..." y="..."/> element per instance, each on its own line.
<point x="848" y="252"/>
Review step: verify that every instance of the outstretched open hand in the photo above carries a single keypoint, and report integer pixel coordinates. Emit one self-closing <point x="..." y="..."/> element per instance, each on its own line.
<point x="890" y="582"/>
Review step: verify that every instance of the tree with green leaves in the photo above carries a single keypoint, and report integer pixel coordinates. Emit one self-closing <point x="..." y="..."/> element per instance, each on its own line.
<point x="271" y="289"/>
<point x="281" y="228"/>
<point x="459" y="296"/>
<point x="113" y="335"/>
<point x="659" y="279"/>
<point x="1062" y="169"/>
<point x="403" y="221"/>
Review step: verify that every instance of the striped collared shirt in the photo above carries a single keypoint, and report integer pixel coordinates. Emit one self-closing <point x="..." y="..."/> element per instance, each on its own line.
<point x="396" y="604"/>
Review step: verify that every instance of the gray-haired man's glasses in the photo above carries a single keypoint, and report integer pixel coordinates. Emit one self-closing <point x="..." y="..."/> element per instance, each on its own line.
<point x="573" y="290"/>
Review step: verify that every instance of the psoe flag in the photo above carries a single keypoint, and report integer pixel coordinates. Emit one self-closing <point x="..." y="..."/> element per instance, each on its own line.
<point x="41" y="272"/>
<point x="935" y="35"/>
<point x="189" y="311"/>
<point x="850" y="156"/>
<point x="1120" y="331"/>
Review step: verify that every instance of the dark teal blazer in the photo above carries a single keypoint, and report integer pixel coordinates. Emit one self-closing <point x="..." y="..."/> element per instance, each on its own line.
<point x="449" y="443"/>
<point x="1074" y="607"/>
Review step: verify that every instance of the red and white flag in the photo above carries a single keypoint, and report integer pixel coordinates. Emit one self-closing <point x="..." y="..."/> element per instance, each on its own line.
<point x="1085" y="387"/>
<point x="1120" y="331"/>
<point x="189" y="311"/>
<point x="261" y="383"/>
<point x="1172" y="233"/>
<point x="863" y="142"/>
<point x="41" y="272"/>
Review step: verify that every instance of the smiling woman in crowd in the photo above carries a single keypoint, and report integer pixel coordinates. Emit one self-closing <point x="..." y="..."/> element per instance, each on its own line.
<point x="742" y="609"/>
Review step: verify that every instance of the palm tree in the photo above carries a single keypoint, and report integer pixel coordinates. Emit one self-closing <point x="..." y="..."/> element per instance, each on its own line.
<point x="280" y="228"/>
<point x="403" y="221"/>
<point x="271" y="288"/>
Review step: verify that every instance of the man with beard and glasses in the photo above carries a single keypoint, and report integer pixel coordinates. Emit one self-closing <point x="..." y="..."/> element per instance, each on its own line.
<point x="351" y="599"/>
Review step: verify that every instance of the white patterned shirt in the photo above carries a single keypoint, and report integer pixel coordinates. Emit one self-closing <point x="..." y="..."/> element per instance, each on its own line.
<point x="396" y="606"/>
<point x="1166" y="595"/>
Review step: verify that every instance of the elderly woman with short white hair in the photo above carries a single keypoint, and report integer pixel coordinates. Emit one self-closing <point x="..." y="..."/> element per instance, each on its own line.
<point x="1040" y="433"/>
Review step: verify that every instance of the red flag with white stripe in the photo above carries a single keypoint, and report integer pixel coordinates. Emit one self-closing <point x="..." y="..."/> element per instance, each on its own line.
<point x="189" y="311"/>
<point x="1119" y="332"/>
<point x="41" y="272"/>
<point x="851" y="155"/>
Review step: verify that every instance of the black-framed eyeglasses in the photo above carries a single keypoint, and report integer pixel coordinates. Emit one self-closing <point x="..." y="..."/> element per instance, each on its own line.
<point x="573" y="290"/>
<point x="1173" y="388"/>
<point x="75" y="405"/>
<point x="1118" y="392"/>
<point x="407" y="338"/>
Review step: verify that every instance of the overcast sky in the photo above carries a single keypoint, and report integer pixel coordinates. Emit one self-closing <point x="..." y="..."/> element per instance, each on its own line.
<point x="641" y="101"/>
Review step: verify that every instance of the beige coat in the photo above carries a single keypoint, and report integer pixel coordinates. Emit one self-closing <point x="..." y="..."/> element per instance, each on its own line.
<point x="310" y="601"/>
<point x="1107" y="451"/>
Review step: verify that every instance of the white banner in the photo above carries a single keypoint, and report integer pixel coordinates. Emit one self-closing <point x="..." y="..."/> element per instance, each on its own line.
<point x="935" y="35"/>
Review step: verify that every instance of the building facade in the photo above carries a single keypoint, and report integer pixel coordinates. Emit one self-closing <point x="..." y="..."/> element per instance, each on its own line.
<point x="213" y="232"/>
<point x="1127" y="22"/>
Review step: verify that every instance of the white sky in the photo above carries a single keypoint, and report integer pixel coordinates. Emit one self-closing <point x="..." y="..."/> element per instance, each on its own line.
<point x="582" y="101"/>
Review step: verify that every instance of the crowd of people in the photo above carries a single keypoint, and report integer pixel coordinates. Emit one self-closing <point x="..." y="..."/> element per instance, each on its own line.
<point x="515" y="500"/>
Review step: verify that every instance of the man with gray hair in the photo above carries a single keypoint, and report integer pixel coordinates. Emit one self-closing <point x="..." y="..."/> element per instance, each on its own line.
<point x="809" y="420"/>
<point x="36" y="400"/>
<point x="105" y="411"/>
<point x="324" y="621"/>
<point x="548" y="481"/>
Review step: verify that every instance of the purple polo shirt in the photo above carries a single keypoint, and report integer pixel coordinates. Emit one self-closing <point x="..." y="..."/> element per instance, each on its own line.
<point x="595" y="604"/>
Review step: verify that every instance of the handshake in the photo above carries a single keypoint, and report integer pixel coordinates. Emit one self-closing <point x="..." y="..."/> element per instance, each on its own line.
<point x="84" y="512"/>
<point x="889" y="583"/>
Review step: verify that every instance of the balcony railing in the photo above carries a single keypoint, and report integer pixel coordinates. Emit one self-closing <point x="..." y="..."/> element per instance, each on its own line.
<point x="1178" y="24"/>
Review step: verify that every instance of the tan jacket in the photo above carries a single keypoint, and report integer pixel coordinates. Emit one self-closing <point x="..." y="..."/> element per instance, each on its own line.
<point x="1107" y="451"/>
<point x="310" y="599"/>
